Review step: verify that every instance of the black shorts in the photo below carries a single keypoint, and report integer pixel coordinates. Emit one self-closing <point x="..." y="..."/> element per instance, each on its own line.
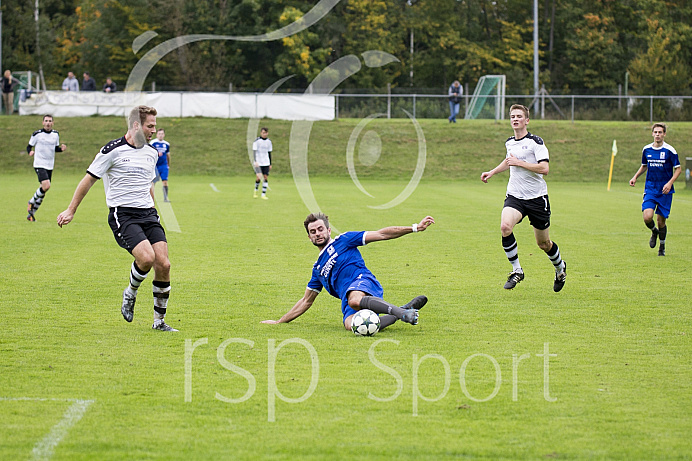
<point x="264" y="169"/>
<point x="131" y="226"/>
<point x="537" y="209"/>
<point x="43" y="174"/>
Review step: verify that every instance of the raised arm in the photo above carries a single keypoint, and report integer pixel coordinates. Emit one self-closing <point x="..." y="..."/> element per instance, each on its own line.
<point x="298" y="308"/>
<point x="393" y="232"/>
<point x="82" y="188"/>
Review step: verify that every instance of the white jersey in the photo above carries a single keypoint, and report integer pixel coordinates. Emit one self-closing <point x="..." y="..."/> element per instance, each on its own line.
<point x="44" y="143"/>
<point x="262" y="149"/>
<point x="127" y="173"/>
<point x="524" y="184"/>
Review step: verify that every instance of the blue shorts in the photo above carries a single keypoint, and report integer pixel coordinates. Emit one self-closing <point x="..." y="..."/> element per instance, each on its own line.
<point x="161" y="173"/>
<point x="659" y="202"/>
<point x="366" y="283"/>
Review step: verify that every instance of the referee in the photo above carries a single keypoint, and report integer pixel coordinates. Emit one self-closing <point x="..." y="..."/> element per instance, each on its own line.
<point x="127" y="166"/>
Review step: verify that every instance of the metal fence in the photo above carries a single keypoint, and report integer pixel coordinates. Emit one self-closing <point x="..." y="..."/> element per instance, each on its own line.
<point x="548" y="107"/>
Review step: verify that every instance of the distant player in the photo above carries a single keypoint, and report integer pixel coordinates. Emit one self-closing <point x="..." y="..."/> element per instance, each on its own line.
<point x="527" y="195"/>
<point x="262" y="149"/>
<point x="341" y="270"/>
<point x="45" y="144"/>
<point x="163" y="162"/>
<point x="662" y="166"/>
<point x="127" y="167"/>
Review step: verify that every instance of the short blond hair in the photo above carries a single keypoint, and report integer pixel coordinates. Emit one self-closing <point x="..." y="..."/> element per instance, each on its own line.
<point x="140" y="114"/>
<point x="520" y="107"/>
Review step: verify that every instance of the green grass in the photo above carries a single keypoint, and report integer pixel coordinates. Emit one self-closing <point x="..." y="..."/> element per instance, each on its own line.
<point x="578" y="151"/>
<point x="620" y="329"/>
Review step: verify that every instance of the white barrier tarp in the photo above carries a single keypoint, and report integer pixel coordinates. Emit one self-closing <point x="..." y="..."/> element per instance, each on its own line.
<point x="219" y="105"/>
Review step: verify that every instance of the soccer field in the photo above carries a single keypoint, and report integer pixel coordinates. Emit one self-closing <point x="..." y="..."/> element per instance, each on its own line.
<point x="600" y="370"/>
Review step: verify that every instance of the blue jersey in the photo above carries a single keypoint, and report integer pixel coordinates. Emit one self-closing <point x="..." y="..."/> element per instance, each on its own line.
<point x="660" y="163"/>
<point x="164" y="149"/>
<point x="339" y="265"/>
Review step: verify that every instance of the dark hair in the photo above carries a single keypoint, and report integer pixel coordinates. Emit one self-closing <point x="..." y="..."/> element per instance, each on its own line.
<point x="47" y="115"/>
<point x="160" y="129"/>
<point x="522" y="108"/>
<point x="264" y="128"/>
<point x="660" y="125"/>
<point x="314" y="217"/>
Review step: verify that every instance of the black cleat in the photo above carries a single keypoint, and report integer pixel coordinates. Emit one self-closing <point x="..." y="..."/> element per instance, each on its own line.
<point x="560" y="278"/>
<point x="654" y="236"/>
<point x="30" y="210"/>
<point x="416" y="303"/>
<point x="128" y="309"/>
<point x="662" y="250"/>
<point x="162" y="326"/>
<point x="410" y="316"/>
<point x="514" y="278"/>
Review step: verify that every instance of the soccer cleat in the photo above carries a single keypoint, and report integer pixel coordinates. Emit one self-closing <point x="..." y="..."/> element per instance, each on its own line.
<point x="264" y="197"/>
<point x="410" y="316"/>
<point x="560" y="278"/>
<point x="30" y="210"/>
<point x="514" y="278"/>
<point x="162" y="326"/>
<point x="128" y="309"/>
<point x="662" y="250"/>
<point x="416" y="303"/>
<point x="255" y="194"/>
<point x="654" y="236"/>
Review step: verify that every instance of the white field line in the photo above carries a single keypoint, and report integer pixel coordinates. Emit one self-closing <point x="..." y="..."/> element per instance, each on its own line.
<point x="166" y="211"/>
<point x="44" y="449"/>
<point x="213" y="187"/>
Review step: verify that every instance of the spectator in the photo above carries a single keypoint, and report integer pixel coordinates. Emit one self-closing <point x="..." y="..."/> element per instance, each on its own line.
<point x="89" y="84"/>
<point x="455" y="91"/>
<point x="8" y="82"/>
<point x="70" y="83"/>
<point x="109" y="86"/>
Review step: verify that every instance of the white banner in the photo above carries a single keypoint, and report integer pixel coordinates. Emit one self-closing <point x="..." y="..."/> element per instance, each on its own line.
<point x="218" y="105"/>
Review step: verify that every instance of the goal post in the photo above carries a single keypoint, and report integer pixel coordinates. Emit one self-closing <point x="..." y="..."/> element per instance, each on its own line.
<point x="488" y="99"/>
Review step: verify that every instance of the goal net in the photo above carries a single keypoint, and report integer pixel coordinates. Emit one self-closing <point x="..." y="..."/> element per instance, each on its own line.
<point x="488" y="99"/>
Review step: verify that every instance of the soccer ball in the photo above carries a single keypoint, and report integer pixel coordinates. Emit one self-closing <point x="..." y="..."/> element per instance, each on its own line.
<point x="365" y="323"/>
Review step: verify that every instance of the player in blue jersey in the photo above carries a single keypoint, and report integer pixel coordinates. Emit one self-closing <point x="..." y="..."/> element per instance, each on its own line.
<point x="662" y="166"/>
<point x="340" y="269"/>
<point x="164" y="149"/>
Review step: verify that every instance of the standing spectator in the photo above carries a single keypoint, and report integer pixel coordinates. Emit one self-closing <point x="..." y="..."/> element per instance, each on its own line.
<point x="262" y="149"/>
<point x="527" y="195"/>
<point x="658" y="189"/>
<point x="89" y="84"/>
<point x="45" y="144"/>
<point x="455" y="91"/>
<point x="8" y="84"/>
<point x="109" y="86"/>
<point x="70" y="83"/>
<point x="162" y="164"/>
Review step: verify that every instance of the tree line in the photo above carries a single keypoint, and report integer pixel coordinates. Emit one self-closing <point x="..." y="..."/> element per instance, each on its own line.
<point x="586" y="47"/>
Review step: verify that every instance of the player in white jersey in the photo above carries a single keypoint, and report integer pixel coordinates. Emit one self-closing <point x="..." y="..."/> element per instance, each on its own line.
<point x="527" y="195"/>
<point x="262" y="149"/>
<point x="127" y="166"/>
<point x="43" y="145"/>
